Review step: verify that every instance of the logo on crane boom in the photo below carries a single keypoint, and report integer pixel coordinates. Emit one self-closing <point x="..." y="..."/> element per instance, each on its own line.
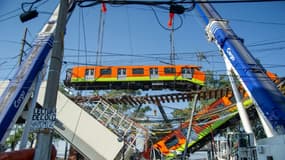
<point x="231" y="56"/>
<point x="20" y="99"/>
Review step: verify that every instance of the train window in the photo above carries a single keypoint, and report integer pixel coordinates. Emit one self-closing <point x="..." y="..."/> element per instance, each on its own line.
<point x="171" y="142"/>
<point x="203" y="121"/>
<point x="138" y="71"/>
<point x="105" y="71"/>
<point x="89" y="74"/>
<point x="187" y="72"/>
<point x="153" y="72"/>
<point x="169" y="70"/>
<point x="121" y="73"/>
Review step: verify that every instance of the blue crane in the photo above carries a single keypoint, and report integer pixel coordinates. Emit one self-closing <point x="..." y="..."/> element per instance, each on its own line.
<point x="19" y="89"/>
<point x="251" y="74"/>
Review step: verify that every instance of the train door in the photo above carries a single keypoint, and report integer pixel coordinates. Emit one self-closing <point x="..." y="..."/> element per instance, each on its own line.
<point x="89" y="74"/>
<point x="187" y="72"/>
<point x="153" y="72"/>
<point x="122" y="73"/>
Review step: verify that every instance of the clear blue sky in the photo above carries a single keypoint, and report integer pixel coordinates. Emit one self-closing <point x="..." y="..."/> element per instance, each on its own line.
<point x="132" y="35"/>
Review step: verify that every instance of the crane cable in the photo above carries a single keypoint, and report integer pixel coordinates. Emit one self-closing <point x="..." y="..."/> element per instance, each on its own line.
<point x="100" y="35"/>
<point x="172" y="47"/>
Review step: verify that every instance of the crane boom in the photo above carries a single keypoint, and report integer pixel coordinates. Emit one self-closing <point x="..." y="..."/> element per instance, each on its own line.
<point x="250" y="73"/>
<point x="18" y="91"/>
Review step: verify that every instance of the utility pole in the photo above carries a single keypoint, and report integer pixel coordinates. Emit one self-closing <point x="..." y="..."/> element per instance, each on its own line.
<point x="44" y="137"/>
<point x="188" y="137"/>
<point x="23" y="46"/>
<point x="32" y="105"/>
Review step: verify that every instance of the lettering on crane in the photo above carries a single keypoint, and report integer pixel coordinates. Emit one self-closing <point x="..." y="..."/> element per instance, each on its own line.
<point x="19" y="101"/>
<point x="231" y="56"/>
<point x="43" y="119"/>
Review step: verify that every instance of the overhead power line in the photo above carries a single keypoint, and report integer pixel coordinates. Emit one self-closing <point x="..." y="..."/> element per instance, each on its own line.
<point x="213" y="52"/>
<point x="95" y="2"/>
<point x="8" y="18"/>
<point x="260" y="22"/>
<point x="10" y="12"/>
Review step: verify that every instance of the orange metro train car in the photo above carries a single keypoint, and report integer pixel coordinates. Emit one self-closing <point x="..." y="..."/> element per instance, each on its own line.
<point x="174" y="77"/>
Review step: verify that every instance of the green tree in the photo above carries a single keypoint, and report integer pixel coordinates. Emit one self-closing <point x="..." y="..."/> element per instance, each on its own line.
<point x="16" y="135"/>
<point x="14" y="138"/>
<point x="182" y="113"/>
<point x="138" y="111"/>
<point x="213" y="81"/>
<point x="216" y="81"/>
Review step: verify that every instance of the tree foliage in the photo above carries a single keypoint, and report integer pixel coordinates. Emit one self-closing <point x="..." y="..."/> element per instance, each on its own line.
<point x="15" y="137"/>
<point x="213" y="81"/>
<point x="216" y="81"/>
<point x="179" y="113"/>
<point x="132" y="111"/>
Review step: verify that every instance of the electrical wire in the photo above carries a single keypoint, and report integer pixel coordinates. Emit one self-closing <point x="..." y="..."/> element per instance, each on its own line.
<point x="257" y="22"/>
<point x="100" y="38"/>
<point x="160" y="3"/>
<point x="129" y="33"/>
<point x="79" y="36"/>
<point x="261" y="49"/>
<point x="11" y="70"/>
<point x="10" y="12"/>
<point x="266" y="43"/>
<point x="10" y="41"/>
<point x="84" y="36"/>
<point x="89" y="4"/>
<point x="29" y="4"/>
<point x="191" y="54"/>
<point x="40" y="4"/>
<point x="162" y="26"/>
<point x="95" y="2"/>
<point x="187" y="56"/>
<point x="156" y="16"/>
<point x="192" y="6"/>
<point x="8" y="18"/>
